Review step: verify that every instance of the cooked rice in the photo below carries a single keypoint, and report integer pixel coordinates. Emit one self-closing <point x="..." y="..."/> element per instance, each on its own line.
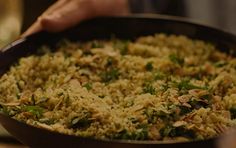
<point x="154" y="88"/>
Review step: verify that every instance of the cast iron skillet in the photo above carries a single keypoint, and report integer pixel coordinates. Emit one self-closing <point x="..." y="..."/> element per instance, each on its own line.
<point x="103" y="28"/>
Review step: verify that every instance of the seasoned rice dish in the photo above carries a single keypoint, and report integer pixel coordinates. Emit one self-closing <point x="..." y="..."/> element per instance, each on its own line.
<point x="159" y="88"/>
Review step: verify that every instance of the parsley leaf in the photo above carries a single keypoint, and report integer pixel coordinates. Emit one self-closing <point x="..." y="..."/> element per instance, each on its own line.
<point x="148" y="88"/>
<point x="186" y="85"/>
<point x="35" y="110"/>
<point x="149" y="66"/>
<point x="159" y="75"/>
<point x="122" y="45"/>
<point x="233" y="112"/>
<point x="110" y="75"/>
<point x="96" y="44"/>
<point x="170" y="131"/>
<point x="88" y="86"/>
<point x="176" y="59"/>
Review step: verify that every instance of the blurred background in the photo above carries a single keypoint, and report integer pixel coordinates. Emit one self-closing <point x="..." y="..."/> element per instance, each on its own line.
<point x="17" y="15"/>
<point x="10" y="20"/>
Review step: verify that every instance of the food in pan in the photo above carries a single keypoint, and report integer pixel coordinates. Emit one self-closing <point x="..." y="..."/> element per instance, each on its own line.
<point x="160" y="87"/>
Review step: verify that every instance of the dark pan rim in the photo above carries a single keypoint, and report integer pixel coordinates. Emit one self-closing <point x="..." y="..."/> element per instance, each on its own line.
<point x="181" y="19"/>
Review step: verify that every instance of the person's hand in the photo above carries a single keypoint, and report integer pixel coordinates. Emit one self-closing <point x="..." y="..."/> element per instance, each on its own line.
<point x="67" y="13"/>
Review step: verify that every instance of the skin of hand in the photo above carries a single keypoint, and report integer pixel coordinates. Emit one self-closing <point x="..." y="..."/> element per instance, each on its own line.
<point x="64" y="14"/>
<point x="228" y="140"/>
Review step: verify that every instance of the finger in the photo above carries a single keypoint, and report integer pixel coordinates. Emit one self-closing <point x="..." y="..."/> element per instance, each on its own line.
<point x="55" y="6"/>
<point x="36" y="27"/>
<point x="69" y="15"/>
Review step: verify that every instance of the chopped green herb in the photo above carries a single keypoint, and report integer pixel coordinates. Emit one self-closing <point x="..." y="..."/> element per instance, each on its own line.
<point x="18" y="86"/>
<point x="140" y="134"/>
<point x="62" y="43"/>
<point x="164" y="87"/>
<point x="18" y="95"/>
<point x="149" y="66"/>
<point x="67" y="100"/>
<point x="4" y="110"/>
<point x="184" y="110"/>
<point x="96" y="44"/>
<point x="170" y="131"/>
<point x="206" y="97"/>
<point x="44" y="49"/>
<point x="110" y="61"/>
<point x="41" y="100"/>
<point x="233" y="112"/>
<point x="9" y="111"/>
<point x="186" y="85"/>
<point x="124" y="135"/>
<point x="133" y="120"/>
<point x="129" y="103"/>
<point x="166" y="131"/>
<point x="60" y="94"/>
<point x="102" y="96"/>
<point x="110" y="75"/>
<point x="148" y="88"/>
<point x="122" y="45"/>
<point x="81" y="122"/>
<point x="220" y="64"/>
<point x="47" y="121"/>
<point x="88" y="86"/>
<point x="162" y="115"/>
<point x="159" y="75"/>
<point x="198" y="104"/>
<point x="175" y="59"/>
<point x="35" y="110"/>
<point x="174" y="112"/>
<point x="87" y="52"/>
<point x="151" y="115"/>
<point x="33" y="99"/>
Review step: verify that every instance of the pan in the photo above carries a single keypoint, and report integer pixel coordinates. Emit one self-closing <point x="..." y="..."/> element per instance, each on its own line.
<point x="129" y="27"/>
